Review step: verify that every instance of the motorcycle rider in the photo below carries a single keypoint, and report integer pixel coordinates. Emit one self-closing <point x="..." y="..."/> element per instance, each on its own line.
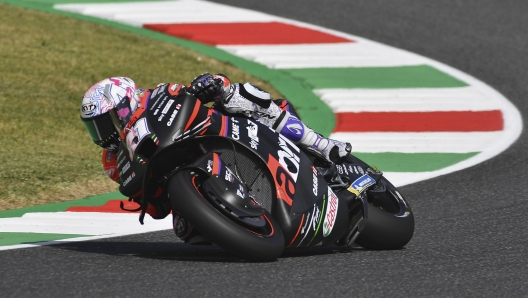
<point x="112" y="109"/>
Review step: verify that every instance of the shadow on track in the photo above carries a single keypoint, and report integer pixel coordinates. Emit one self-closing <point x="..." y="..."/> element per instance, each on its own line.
<point x="155" y="246"/>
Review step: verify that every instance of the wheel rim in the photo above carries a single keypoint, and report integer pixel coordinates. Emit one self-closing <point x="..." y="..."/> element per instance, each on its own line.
<point x="266" y="231"/>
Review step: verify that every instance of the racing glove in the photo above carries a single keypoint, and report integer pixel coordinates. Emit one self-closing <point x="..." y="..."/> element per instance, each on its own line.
<point x="208" y="87"/>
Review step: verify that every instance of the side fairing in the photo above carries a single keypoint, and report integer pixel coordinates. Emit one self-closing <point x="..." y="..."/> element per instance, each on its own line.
<point x="307" y="210"/>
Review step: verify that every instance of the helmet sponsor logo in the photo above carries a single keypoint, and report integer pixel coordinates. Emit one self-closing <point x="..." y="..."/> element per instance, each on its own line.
<point x="331" y="213"/>
<point x="88" y="108"/>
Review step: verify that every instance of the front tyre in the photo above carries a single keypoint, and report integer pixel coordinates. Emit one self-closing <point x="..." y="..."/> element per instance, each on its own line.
<point x="390" y="223"/>
<point x="187" y="196"/>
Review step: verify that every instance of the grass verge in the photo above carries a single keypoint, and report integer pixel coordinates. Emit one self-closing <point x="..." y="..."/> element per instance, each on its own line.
<point x="47" y="62"/>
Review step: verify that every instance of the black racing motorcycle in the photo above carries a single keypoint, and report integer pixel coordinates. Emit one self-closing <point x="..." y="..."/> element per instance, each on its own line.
<point x="255" y="193"/>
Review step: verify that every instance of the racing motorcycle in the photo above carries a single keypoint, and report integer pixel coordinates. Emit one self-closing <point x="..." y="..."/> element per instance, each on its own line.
<point x="254" y="193"/>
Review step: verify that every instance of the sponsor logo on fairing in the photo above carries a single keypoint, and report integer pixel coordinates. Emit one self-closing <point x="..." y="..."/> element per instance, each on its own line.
<point x="165" y="109"/>
<point x="361" y="184"/>
<point x="127" y="180"/>
<point x="235" y="129"/>
<point x="240" y="191"/>
<point x="253" y="134"/>
<point x="315" y="184"/>
<point x="285" y="170"/>
<point x="229" y="175"/>
<point x="312" y="223"/>
<point x="331" y="213"/>
<point x="126" y="167"/>
<point x="315" y="218"/>
<point x="155" y="103"/>
<point x="339" y="169"/>
<point x="360" y="170"/>
<point x="167" y="106"/>
<point x="174" y="113"/>
<point x="209" y="166"/>
<point x="289" y="156"/>
<point x="351" y="169"/>
<point x="120" y="159"/>
<point x="158" y="89"/>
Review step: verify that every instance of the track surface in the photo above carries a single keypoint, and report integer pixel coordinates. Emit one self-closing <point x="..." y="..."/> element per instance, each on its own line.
<point x="471" y="234"/>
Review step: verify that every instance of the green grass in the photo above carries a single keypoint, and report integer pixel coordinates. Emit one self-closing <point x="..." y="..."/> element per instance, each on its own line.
<point x="47" y="62"/>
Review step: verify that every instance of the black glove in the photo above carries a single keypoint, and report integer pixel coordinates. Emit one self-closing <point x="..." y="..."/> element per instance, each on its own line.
<point x="206" y="86"/>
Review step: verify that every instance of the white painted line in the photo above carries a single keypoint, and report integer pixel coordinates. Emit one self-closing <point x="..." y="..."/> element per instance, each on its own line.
<point x="184" y="11"/>
<point x="418" y="142"/>
<point x="77" y="239"/>
<point x="83" y="223"/>
<point x="408" y="100"/>
<point x="354" y="54"/>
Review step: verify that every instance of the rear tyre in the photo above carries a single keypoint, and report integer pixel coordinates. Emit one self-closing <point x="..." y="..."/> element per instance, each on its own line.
<point x="262" y="244"/>
<point x="390" y="223"/>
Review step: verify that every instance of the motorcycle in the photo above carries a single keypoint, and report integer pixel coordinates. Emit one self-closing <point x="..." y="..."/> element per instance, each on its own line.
<point x="255" y="193"/>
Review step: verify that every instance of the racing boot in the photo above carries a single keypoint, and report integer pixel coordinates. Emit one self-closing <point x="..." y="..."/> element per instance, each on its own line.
<point x="296" y="131"/>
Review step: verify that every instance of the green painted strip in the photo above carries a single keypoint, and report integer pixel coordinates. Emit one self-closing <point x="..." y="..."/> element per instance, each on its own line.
<point x="315" y="113"/>
<point x="89" y="1"/>
<point x="412" y="162"/>
<point x="419" y="76"/>
<point x="62" y="206"/>
<point x="28" y="238"/>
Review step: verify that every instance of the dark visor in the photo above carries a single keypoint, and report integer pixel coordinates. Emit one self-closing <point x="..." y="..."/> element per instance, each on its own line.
<point x="101" y="129"/>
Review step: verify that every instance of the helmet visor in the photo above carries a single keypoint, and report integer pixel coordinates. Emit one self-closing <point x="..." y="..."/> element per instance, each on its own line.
<point x="102" y="131"/>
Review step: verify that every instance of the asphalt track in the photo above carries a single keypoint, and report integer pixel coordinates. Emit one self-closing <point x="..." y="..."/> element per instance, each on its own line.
<point x="471" y="234"/>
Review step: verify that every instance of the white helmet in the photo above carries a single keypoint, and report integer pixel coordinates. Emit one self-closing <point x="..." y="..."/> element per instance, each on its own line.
<point x="106" y="109"/>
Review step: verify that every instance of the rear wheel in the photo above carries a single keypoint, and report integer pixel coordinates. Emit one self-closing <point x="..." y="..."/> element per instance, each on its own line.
<point x="390" y="223"/>
<point x="262" y="243"/>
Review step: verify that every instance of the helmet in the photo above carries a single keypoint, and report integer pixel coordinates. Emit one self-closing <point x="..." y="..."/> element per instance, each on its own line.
<point x="106" y="109"/>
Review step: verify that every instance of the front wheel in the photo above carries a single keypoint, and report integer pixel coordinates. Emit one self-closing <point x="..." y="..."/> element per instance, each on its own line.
<point x="390" y="223"/>
<point x="192" y="202"/>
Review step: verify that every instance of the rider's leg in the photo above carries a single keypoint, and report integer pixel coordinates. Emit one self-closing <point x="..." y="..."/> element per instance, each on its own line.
<point x="296" y="131"/>
<point x="257" y="103"/>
